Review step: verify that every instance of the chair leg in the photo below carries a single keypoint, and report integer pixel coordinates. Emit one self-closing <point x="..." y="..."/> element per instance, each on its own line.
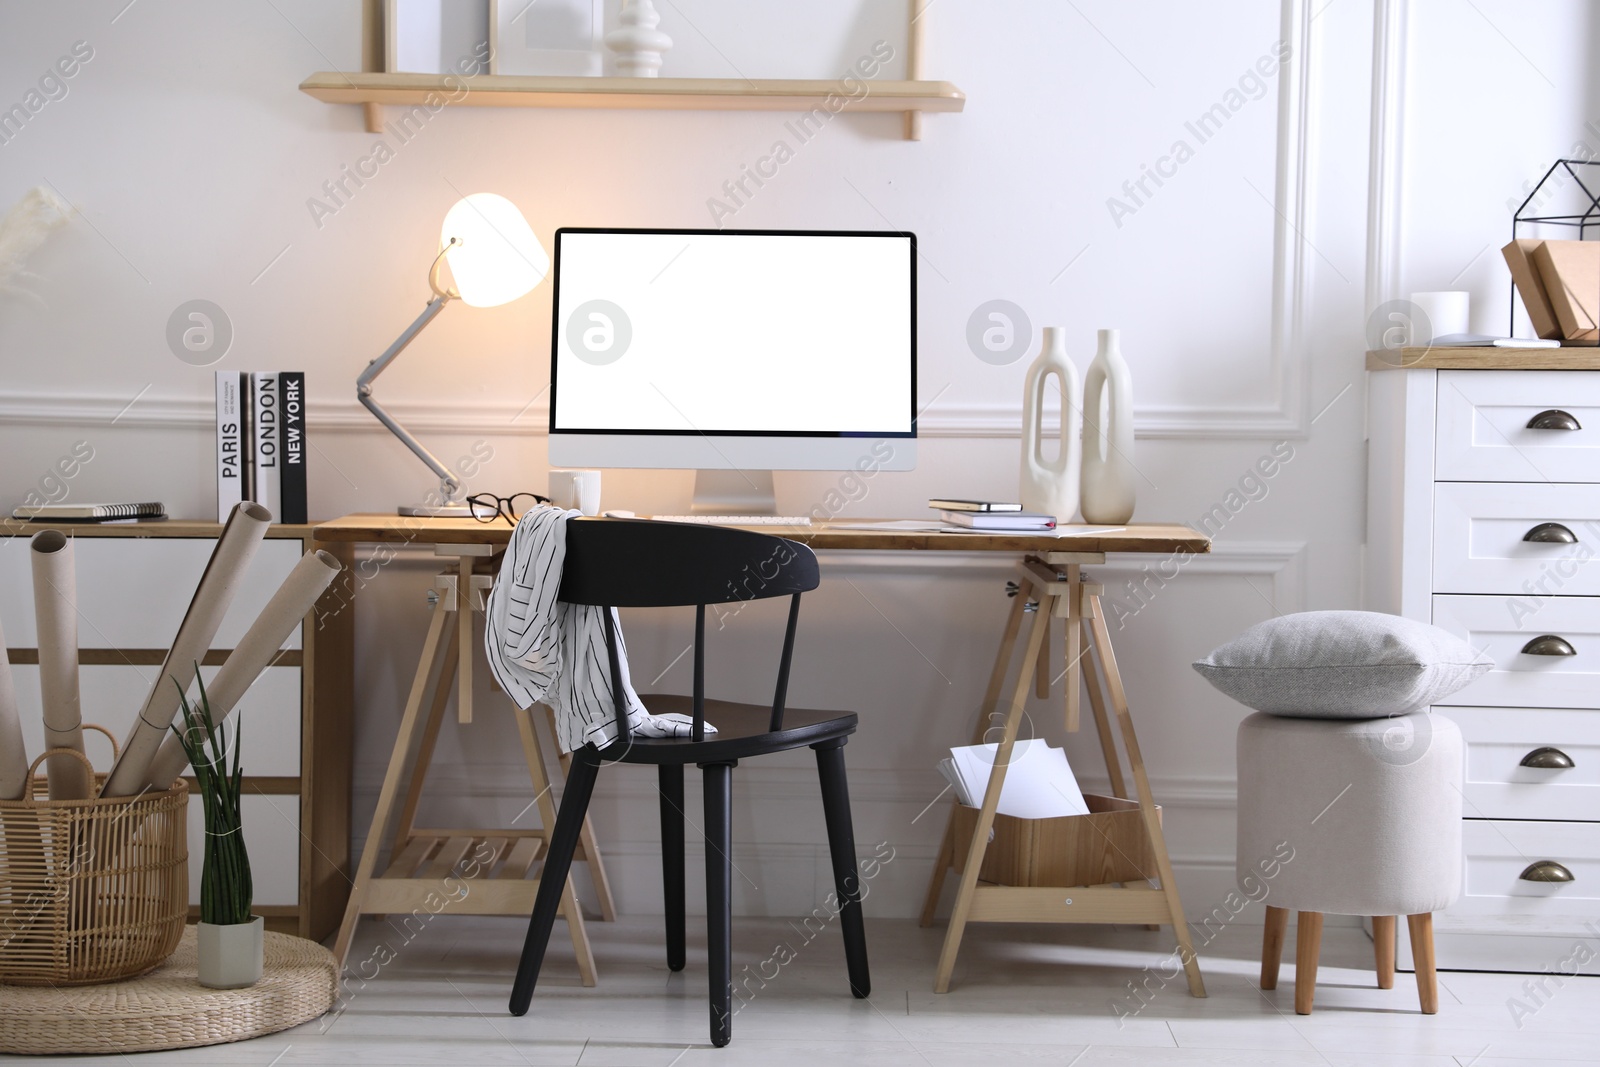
<point x="1383" y="949"/>
<point x="671" y="783"/>
<point x="842" y="847"/>
<point x="1272" y="945"/>
<point x="1307" y="950"/>
<point x="563" y="842"/>
<point x="719" y="897"/>
<point x="1422" y="952"/>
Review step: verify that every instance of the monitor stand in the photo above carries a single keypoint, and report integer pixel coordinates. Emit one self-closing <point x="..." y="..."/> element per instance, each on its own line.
<point x="733" y="492"/>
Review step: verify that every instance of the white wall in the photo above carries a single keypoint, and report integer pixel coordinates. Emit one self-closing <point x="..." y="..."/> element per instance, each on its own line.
<point x="1483" y="119"/>
<point x="1239" y="285"/>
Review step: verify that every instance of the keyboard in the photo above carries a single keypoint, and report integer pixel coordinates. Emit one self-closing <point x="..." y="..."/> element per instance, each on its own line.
<point x="738" y="520"/>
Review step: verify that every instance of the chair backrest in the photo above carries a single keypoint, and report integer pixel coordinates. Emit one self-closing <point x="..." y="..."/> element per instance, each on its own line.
<point x="641" y="563"/>
<point x="624" y="563"/>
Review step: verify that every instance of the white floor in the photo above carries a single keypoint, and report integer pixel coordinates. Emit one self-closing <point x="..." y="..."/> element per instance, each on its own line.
<point x="1023" y="994"/>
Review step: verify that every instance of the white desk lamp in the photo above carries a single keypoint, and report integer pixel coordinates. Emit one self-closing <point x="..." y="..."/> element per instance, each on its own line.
<point x="494" y="258"/>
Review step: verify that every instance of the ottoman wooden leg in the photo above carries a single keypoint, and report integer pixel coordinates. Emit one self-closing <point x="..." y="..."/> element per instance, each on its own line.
<point x="1272" y="945"/>
<point x="1422" y="952"/>
<point x="1383" y="949"/>
<point x="1307" y="949"/>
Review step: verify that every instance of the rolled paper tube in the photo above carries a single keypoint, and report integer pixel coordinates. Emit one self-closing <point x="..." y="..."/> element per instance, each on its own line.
<point x="55" y="607"/>
<point x="254" y="652"/>
<point x="13" y="755"/>
<point x="242" y="535"/>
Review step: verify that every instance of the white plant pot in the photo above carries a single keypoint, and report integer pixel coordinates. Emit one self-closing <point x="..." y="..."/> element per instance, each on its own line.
<point x="231" y="956"/>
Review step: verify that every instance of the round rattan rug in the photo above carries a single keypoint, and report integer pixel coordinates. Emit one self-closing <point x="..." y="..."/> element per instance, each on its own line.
<point x="168" y="1007"/>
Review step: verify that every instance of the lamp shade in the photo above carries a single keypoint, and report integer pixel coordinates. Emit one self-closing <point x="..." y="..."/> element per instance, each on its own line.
<point x="496" y="258"/>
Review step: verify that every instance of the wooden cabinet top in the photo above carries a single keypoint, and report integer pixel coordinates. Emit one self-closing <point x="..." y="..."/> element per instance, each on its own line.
<point x="1574" y="358"/>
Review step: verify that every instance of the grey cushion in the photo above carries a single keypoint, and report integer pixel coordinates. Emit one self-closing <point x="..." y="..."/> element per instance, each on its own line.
<point x="1342" y="665"/>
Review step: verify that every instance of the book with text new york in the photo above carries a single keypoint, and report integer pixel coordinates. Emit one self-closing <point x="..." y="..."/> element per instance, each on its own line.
<point x="292" y="453"/>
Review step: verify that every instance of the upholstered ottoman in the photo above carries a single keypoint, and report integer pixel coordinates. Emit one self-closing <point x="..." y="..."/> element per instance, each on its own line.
<point x="1349" y="788"/>
<point x="1363" y="817"/>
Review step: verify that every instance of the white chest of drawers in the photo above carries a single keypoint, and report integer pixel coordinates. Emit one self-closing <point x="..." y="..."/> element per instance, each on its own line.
<point x="1484" y="519"/>
<point x="134" y="584"/>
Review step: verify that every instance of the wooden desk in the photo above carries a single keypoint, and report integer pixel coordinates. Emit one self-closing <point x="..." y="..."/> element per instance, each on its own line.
<point x="1051" y="584"/>
<point x="1144" y="538"/>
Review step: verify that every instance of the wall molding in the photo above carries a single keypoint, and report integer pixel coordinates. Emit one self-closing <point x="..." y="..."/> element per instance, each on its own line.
<point x="958" y="421"/>
<point x="1284" y="562"/>
<point x="776" y="785"/>
<point x="157" y="411"/>
<point x="1281" y="561"/>
<point x="1004" y="420"/>
<point x="1288" y="358"/>
<point x="1386" y="157"/>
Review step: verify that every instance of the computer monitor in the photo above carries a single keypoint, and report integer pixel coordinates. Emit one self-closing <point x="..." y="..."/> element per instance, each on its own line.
<point x="734" y="353"/>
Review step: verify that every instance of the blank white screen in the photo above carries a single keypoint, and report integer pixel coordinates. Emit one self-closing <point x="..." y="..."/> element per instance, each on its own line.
<point x="734" y="333"/>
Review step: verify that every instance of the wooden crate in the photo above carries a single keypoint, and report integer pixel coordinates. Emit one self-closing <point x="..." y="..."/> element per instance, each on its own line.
<point x="1109" y="844"/>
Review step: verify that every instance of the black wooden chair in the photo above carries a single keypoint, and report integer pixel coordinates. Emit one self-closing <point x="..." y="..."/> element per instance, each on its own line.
<point x="641" y="563"/>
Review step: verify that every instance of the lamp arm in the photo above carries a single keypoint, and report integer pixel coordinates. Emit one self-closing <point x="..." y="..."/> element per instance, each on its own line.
<point x="448" y="482"/>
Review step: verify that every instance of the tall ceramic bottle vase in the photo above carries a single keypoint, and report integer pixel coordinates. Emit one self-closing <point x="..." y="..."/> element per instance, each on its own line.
<point x="1050" y="486"/>
<point x="1108" y="474"/>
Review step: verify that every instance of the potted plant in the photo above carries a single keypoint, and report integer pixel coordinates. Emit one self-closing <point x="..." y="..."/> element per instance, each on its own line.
<point x="229" y="937"/>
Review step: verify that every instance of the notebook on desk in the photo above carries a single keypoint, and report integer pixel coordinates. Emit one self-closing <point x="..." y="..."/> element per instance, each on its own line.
<point x="90" y="512"/>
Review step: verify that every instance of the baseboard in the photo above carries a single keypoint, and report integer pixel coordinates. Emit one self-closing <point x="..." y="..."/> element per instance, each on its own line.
<point x="1510" y="945"/>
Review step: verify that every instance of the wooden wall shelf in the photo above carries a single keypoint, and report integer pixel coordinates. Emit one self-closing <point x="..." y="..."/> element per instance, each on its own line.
<point x="650" y="94"/>
<point x="374" y="90"/>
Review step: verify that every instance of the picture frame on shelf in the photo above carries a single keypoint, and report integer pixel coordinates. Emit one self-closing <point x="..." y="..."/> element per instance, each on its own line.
<point x="433" y="36"/>
<point x="561" y="38"/>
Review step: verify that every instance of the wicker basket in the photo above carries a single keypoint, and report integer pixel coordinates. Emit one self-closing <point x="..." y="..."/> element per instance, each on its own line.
<point x="91" y="890"/>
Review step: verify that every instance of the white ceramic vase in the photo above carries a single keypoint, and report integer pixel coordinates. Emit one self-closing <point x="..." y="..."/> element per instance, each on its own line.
<point x="1108" y="472"/>
<point x="232" y="956"/>
<point x="637" y="43"/>
<point x="1050" y="486"/>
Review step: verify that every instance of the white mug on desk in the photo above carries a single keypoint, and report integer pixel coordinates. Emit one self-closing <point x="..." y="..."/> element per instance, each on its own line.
<point x="578" y="490"/>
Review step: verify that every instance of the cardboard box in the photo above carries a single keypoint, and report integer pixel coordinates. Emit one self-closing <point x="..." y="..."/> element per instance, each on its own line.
<point x="1109" y="844"/>
<point x="1570" y="271"/>
<point x="1525" y="276"/>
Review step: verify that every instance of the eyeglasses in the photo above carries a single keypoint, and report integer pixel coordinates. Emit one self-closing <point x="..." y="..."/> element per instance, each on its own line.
<point x="486" y="507"/>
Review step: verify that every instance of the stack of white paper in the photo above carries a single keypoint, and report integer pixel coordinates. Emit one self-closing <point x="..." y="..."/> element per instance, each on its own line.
<point x="1039" y="783"/>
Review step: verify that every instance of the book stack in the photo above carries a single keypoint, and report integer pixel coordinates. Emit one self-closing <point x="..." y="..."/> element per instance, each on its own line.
<point x="1559" y="282"/>
<point x="261" y="441"/>
<point x="991" y="516"/>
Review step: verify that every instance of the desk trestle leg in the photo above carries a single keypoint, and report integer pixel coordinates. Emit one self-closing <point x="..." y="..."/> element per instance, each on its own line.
<point x="988" y="718"/>
<point x="459" y="871"/>
<point x="1062" y="591"/>
<point x="991" y="799"/>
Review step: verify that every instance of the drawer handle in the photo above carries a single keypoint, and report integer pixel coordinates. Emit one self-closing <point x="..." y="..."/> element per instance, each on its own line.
<point x="1546" y="871"/>
<point x="1554" y="419"/>
<point x="1549" y="645"/>
<point x="1551" y="533"/>
<point x="1548" y="758"/>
